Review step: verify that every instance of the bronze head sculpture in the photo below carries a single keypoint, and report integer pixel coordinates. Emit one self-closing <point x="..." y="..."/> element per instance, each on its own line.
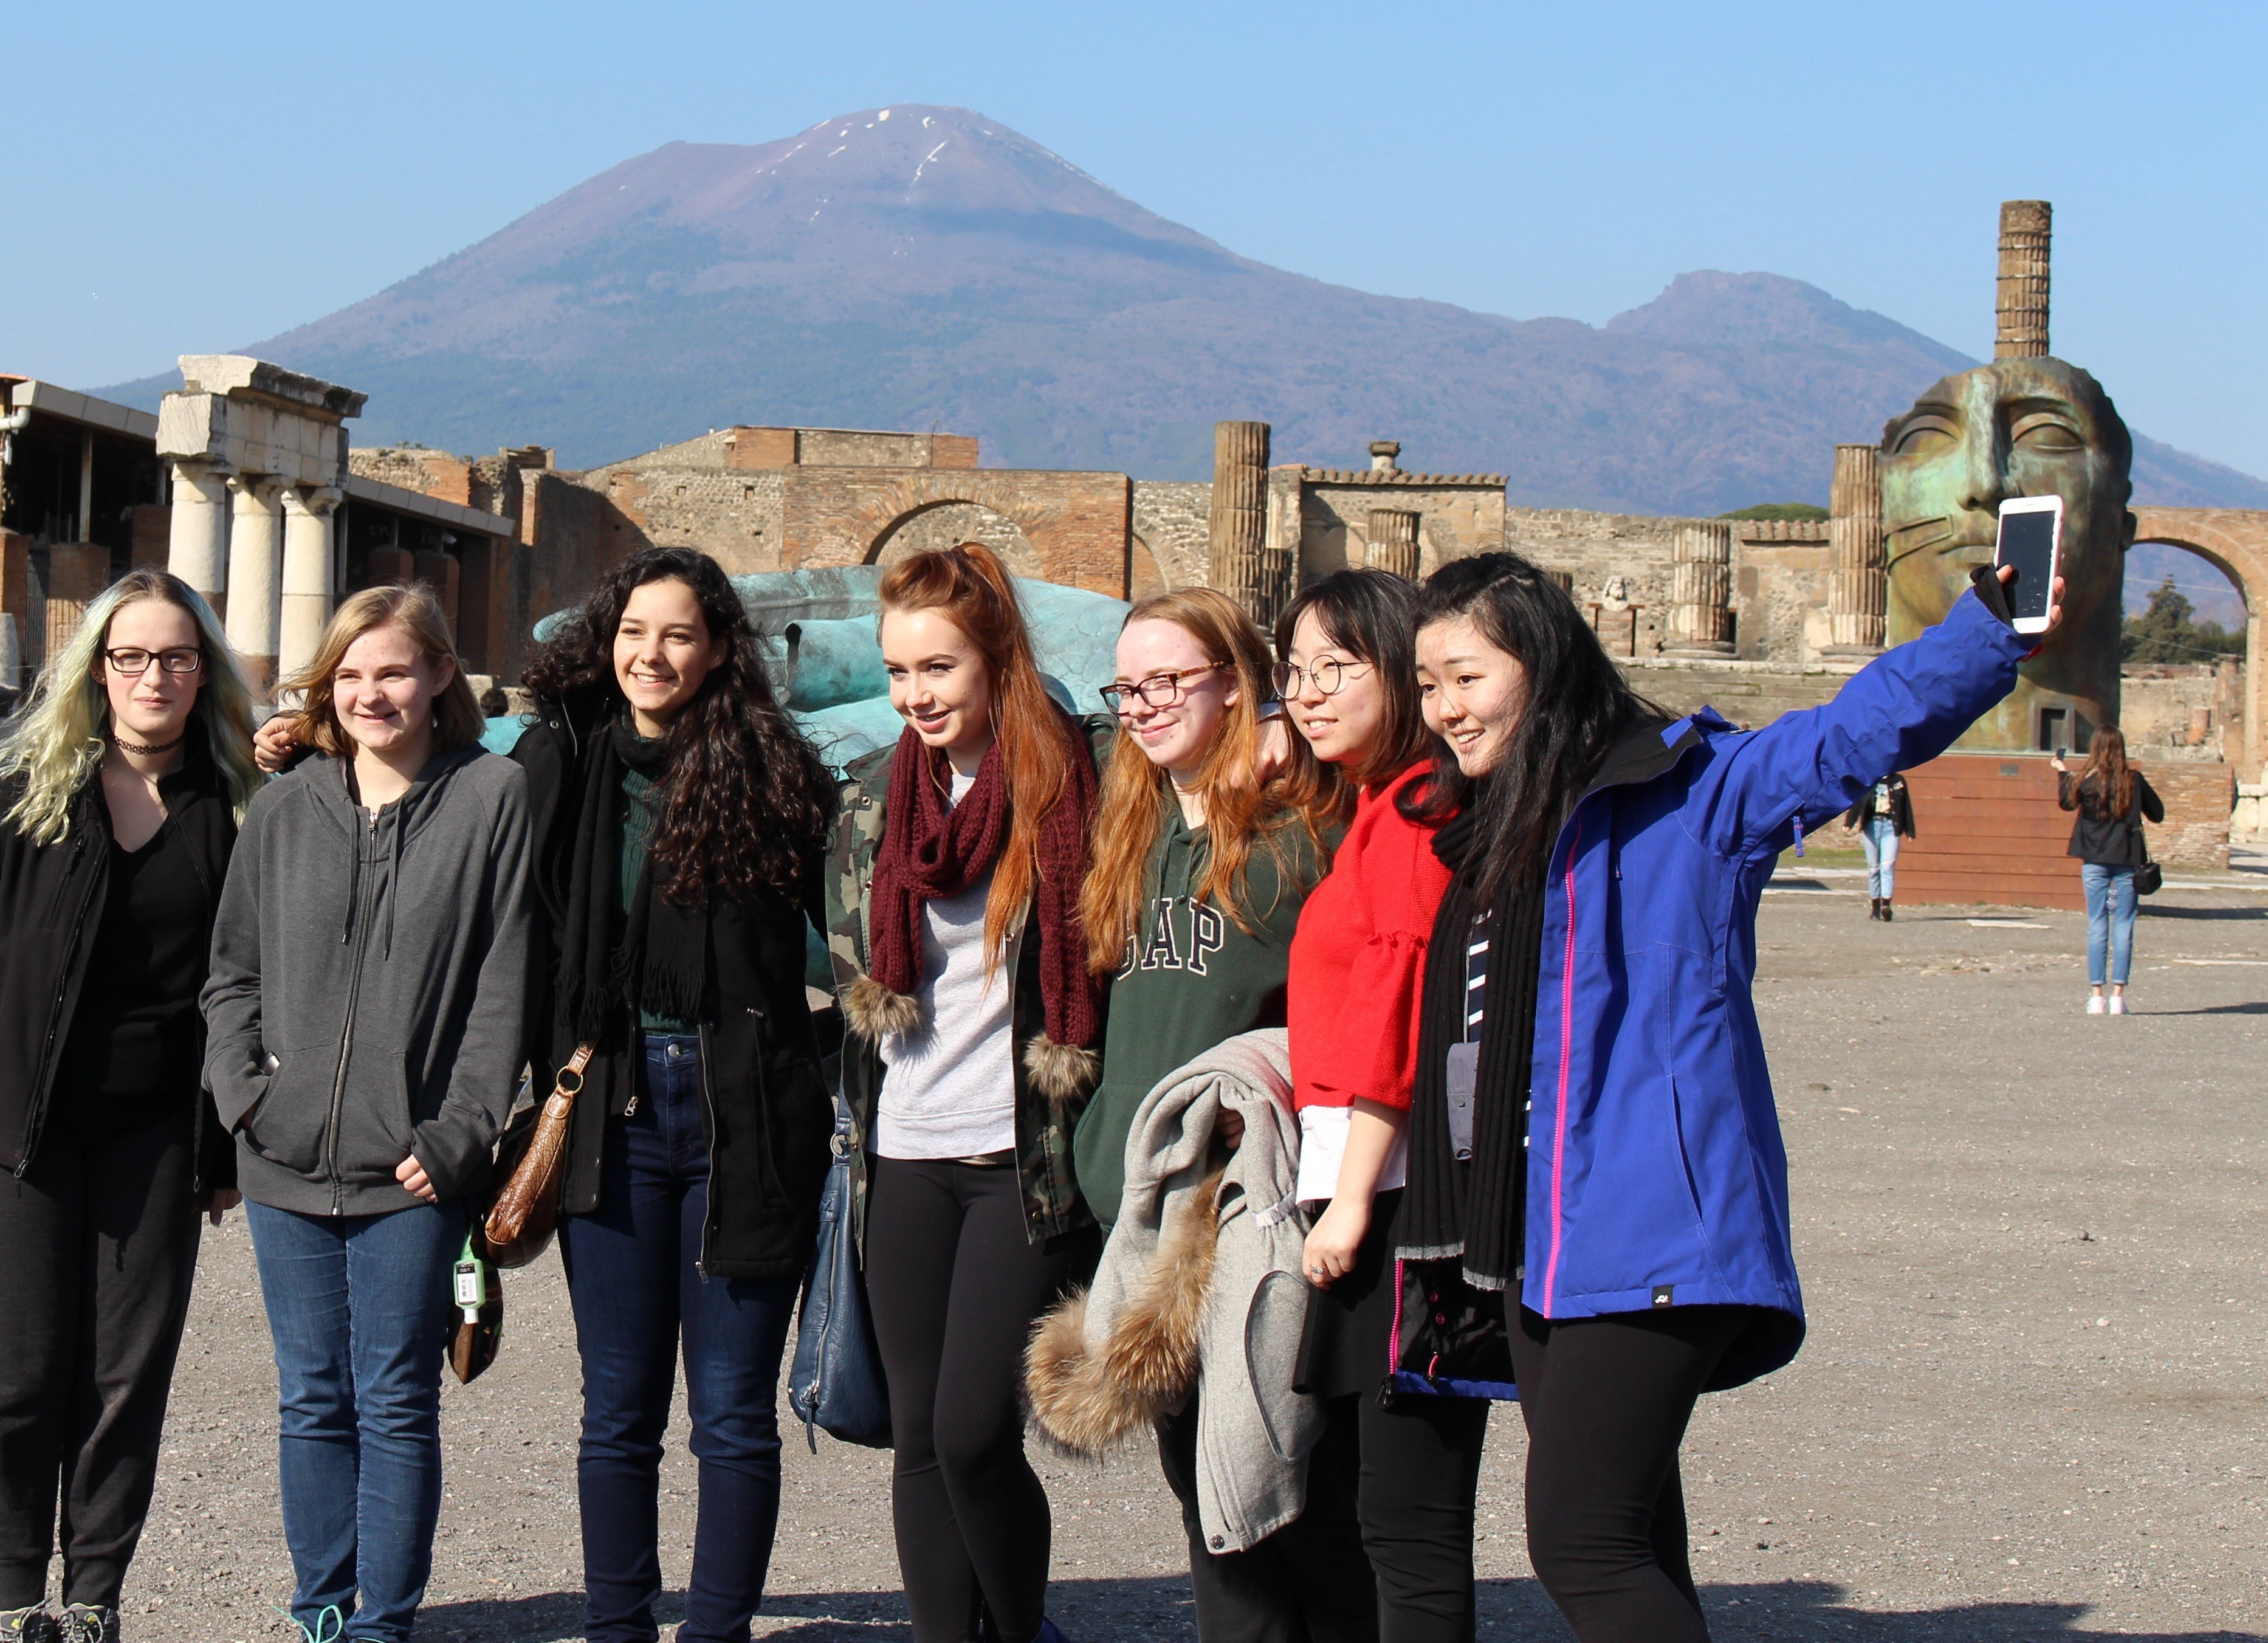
<point x="2022" y="427"/>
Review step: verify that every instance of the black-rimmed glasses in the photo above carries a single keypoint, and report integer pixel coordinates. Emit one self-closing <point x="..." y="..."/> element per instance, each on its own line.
<point x="1158" y="690"/>
<point x="1328" y="674"/>
<point x="132" y="663"/>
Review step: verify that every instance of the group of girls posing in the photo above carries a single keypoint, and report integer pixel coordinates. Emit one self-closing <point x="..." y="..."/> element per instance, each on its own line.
<point x="1504" y="907"/>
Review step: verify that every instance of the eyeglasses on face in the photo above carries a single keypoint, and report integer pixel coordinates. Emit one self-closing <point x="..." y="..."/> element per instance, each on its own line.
<point x="1328" y="674"/>
<point x="1158" y="690"/>
<point x="132" y="664"/>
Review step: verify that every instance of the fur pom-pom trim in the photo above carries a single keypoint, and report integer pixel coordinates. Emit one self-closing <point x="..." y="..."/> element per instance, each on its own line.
<point x="1061" y="1072"/>
<point x="874" y="1012"/>
<point x="1088" y="1397"/>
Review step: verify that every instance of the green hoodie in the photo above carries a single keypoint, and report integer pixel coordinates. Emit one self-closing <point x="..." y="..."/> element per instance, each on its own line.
<point x="1190" y="979"/>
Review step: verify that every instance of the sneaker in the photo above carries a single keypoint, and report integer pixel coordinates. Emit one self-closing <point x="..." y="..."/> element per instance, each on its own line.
<point x="86" y="1623"/>
<point x="35" y="1625"/>
<point x="2117" y="1004"/>
<point x="2096" y="1004"/>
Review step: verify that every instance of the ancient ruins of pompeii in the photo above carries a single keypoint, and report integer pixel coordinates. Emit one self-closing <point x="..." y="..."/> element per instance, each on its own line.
<point x="247" y="483"/>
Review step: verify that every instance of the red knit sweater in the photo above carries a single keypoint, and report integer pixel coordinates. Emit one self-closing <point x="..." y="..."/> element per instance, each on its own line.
<point x="1357" y="960"/>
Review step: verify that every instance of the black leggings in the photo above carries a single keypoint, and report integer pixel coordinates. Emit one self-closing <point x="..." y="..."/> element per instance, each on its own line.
<point x="1606" y="1401"/>
<point x="1421" y="1467"/>
<point x="955" y="1285"/>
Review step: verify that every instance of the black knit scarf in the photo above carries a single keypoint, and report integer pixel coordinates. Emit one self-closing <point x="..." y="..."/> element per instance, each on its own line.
<point x="1474" y="1210"/>
<point x="657" y="958"/>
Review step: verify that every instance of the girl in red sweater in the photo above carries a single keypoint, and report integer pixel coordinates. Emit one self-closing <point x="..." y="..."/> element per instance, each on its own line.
<point x="1349" y="679"/>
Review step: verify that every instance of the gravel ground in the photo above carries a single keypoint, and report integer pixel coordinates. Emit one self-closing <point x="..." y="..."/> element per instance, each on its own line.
<point x="2034" y="1402"/>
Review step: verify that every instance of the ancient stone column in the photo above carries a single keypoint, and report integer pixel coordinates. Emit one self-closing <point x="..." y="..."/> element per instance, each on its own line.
<point x="198" y="541"/>
<point x="307" y="590"/>
<point x="1393" y="539"/>
<point x="1701" y="587"/>
<point x="2021" y="304"/>
<point x="1239" y="544"/>
<point x="1858" y="584"/>
<point x="255" y="556"/>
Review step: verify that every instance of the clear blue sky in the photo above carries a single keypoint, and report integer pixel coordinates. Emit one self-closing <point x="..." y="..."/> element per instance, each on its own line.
<point x="186" y="178"/>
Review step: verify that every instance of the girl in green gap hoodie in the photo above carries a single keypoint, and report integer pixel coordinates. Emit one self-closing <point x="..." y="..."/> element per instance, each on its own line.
<point x="1201" y="866"/>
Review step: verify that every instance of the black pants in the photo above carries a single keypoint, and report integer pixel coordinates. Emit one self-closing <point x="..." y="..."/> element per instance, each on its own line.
<point x="1308" y="1583"/>
<point x="1421" y="1468"/>
<point x="1606" y="1401"/>
<point x="97" y="1246"/>
<point x="956" y="1287"/>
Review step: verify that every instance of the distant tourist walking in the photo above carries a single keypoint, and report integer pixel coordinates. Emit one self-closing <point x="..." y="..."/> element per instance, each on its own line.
<point x="2112" y="797"/>
<point x="121" y="786"/>
<point x="1883" y="814"/>
<point x="365" y="1008"/>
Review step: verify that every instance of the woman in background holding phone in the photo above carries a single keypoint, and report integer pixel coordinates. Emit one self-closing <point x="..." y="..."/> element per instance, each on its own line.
<point x="2111" y="797"/>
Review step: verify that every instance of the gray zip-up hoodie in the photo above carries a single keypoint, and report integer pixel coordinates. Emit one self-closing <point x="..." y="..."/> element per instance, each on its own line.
<point x="368" y="981"/>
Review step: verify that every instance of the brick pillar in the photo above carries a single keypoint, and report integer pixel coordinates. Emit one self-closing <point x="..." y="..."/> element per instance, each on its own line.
<point x="2021" y="301"/>
<point x="1701" y="587"/>
<point x="76" y="571"/>
<point x="1858" y="577"/>
<point x="1239" y="535"/>
<point x="386" y="566"/>
<point x="1392" y="543"/>
<point x="440" y="571"/>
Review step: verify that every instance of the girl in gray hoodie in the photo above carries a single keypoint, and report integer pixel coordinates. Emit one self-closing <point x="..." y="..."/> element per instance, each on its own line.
<point x="363" y="1018"/>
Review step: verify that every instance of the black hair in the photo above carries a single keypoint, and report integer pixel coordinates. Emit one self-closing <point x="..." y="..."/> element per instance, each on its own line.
<point x="746" y="804"/>
<point x="1374" y="614"/>
<point x="1578" y="704"/>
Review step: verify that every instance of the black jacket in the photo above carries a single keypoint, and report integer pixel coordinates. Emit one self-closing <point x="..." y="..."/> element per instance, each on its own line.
<point x="51" y="900"/>
<point x="764" y="1106"/>
<point x="2098" y="837"/>
<point x="1901" y="807"/>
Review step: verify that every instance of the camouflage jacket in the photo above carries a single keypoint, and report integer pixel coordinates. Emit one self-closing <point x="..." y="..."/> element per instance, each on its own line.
<point x="1052" y="1204"/>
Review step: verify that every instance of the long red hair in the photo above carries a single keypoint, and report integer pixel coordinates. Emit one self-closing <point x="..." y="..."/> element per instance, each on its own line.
<point x="1240" y="809"/>
<point x="969" y="587"/>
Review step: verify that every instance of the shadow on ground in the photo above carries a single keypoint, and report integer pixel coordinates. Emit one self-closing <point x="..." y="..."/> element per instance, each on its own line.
<point x="1122" y="1611"/>
<point x="2171" y="910"/>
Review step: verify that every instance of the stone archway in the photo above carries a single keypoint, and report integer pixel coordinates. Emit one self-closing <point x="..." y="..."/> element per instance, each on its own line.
<point x="2235" y="541"/>
<point x="947" y="524"/>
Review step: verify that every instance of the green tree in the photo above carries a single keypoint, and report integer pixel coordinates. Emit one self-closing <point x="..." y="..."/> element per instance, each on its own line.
<point x="1778" y="510"/>
<point x="2168" y="631"/>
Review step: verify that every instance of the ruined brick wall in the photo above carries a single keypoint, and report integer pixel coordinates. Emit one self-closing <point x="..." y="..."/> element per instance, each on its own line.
<point x="2199" y="798"/>
<point x="1077" y="524"/>
<point x="1455" y="519"/>
<point x="435" y="473"/>
<point x="2184" y="711"/>
<point x="733" y="516"/>
<point x="1593" y="548"/>
<point x="1779" y="589"/>
<point x="1172" y="527"/>
<point x="568" y="534"/>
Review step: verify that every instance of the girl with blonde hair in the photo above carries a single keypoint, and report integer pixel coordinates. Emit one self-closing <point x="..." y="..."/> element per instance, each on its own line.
<point x="121" y="783"/>
<point x="364" y="1010"/>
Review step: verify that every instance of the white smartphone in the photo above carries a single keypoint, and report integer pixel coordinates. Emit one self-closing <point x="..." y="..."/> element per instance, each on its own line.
<point x="2031" y="539"/>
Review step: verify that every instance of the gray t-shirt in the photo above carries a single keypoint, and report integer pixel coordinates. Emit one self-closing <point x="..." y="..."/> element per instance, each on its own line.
<point x="949" y="1087"/>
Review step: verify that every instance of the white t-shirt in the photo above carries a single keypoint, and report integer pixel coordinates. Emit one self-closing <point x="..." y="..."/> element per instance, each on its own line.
<point x="1322" y="1148"/>
<point x="949" y="1087"/>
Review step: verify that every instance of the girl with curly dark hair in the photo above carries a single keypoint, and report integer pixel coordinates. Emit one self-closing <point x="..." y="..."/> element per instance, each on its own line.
<point x="681" y="820"/>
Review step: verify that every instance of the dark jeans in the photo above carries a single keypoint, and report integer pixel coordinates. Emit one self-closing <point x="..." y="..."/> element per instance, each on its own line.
<point x="1421" y="1468"/>
<point x="955" y="1285"/>
<point x="358" y="1309"/>
<point x="1606" y="1401"/>
<point x="633" y="1277"/>
<point x="1309" y="1582"/>
<point x="97" y="1244"/>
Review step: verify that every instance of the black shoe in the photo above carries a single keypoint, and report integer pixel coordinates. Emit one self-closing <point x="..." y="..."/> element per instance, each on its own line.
<point x="86" y="1623"/>
<point x="1875" y="908"/>
<point x="1886" y="910"/>
<point x="35" y="1625"/>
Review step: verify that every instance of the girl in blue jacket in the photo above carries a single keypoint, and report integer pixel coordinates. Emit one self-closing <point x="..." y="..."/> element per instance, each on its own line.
<point x="1595" y="1155"/>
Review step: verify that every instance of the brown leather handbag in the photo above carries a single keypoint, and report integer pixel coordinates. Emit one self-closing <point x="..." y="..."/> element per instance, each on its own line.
<point x="532" y="1160"/>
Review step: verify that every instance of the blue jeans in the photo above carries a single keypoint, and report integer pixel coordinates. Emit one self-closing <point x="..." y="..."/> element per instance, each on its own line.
<point x="358" y="1308"/>
<point x="632" y="1277"/>
<point x="1878" y="837"/>
<point x="2110" y="920"/>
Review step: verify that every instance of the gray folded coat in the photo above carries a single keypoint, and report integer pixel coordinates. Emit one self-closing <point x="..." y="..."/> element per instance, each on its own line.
<point x="1199" y="1291"/>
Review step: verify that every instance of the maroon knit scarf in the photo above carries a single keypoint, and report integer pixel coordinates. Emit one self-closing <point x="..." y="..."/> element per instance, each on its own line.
<point x="929" y="850"/>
